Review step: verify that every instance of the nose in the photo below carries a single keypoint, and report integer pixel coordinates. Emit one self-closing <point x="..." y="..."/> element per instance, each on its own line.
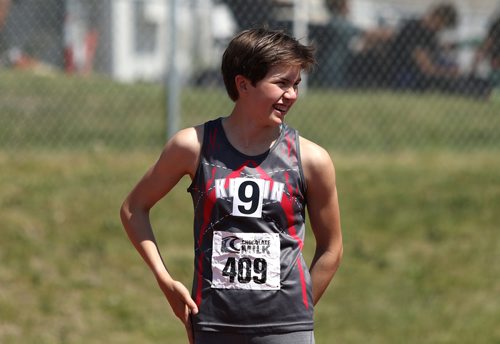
<point x="291" y="92"/>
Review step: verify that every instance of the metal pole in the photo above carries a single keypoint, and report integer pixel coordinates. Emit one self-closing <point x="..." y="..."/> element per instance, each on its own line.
<point x="300" y="29"/>
<point x="173" y="89"/>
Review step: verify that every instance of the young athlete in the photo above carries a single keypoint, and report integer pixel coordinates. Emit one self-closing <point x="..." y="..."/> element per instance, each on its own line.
<point x="252" y="177"/>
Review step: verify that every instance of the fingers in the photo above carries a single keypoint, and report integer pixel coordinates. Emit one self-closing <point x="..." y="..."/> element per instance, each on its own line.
<point x="186" y="298"/>
<point x="188" y="311"/>
<point x="189" y="330"/>
<point x="182" y="304"/>
<point x="191" y="305"/>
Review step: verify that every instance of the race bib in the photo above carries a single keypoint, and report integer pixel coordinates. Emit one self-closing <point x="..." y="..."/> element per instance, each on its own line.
<point x="246" y="261"/>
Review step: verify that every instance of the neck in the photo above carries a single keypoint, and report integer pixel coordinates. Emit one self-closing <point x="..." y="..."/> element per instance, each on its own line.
<point x="247" y="136"/>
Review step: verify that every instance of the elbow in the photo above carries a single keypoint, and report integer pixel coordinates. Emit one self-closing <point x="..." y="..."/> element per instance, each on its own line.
<point x="337" y="253"/>
<point x="340" y="255"/>
<point x="332" y="257"/>
<point x="131" y="212"/>
<point x="125" y="213"/>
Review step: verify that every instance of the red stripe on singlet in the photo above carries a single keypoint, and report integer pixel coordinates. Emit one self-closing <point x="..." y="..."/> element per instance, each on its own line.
<point x="287" y="204"/>
<point x="250" y="163"/>
<point x="207" y="212"/>
<point x="211" y="139"/>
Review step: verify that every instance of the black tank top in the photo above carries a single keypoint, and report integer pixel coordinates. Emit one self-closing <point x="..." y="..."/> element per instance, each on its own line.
<point x="249" y="224"/>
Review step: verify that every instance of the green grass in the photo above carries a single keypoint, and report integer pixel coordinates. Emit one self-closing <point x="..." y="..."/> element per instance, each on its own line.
<point x="420" y="266"/>
<point x="419" y="192"/>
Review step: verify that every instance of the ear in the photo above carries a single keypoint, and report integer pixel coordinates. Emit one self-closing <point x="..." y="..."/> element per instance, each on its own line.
<point x="241" y="83"/>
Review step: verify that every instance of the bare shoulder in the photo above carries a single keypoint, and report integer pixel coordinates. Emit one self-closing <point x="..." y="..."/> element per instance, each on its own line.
<point x="316" y="161"/>
<point x="183" y="149"/>
<point x="188" y="139"/>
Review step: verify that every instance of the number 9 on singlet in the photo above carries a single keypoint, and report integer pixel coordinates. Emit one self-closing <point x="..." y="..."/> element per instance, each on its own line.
<point x="248" y="197"/>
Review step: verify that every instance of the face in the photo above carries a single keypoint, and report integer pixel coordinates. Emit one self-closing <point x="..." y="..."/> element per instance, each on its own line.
<point x="273" y="96"/>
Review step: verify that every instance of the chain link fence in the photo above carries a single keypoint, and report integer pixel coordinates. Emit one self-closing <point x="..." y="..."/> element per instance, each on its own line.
<point x="392" y="74"/>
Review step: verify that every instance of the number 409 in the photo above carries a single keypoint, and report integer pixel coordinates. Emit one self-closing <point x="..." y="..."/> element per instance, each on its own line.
<point x="243" y="270"/>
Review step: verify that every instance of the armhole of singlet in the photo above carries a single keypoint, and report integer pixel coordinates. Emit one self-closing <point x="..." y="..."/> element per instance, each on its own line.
<point x="299" y="162"/>
<point x="196" y="176"/>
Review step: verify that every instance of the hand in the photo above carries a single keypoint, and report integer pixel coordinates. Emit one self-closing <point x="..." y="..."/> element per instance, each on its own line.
<point x="180" y="301"/>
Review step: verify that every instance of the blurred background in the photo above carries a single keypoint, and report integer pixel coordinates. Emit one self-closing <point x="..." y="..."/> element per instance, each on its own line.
<point x="174" y="47"/>
<point x="405" y="97"/>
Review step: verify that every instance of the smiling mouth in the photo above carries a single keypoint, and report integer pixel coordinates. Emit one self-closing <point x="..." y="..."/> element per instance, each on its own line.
<point x="282" y="109"/>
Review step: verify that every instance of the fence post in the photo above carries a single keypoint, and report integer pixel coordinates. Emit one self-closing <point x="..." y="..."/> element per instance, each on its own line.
<point x="300" y="29"/>
<point x="173" y="83"/>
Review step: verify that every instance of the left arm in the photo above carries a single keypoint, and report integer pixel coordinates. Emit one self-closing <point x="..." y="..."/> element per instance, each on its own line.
<point x="481" y="53"/>
<point x="324" y="215"/>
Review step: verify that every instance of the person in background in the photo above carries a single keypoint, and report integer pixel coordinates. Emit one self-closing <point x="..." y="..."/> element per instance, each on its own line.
<point x="489" y="50"/>
<point x="417" y="61"/>
<point x="351" y="48"/>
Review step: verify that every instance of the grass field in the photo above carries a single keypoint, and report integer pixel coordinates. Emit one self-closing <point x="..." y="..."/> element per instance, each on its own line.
<point x="421" y="251"/>
<point x="420" y="216"/>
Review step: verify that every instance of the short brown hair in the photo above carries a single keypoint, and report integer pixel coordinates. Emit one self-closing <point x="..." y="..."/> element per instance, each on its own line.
<point x="253" y="52"/>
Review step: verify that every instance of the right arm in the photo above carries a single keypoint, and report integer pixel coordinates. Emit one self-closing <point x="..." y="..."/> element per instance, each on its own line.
<point x="179" y="158"/>
<point x="428" y="67"/>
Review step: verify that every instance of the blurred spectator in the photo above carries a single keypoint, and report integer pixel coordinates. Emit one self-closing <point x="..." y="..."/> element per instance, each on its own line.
<point x="489" y="50"/>
<point x="416" y="59"/>
<point x="416" y="53"/>
<point x="341" y="42"/>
